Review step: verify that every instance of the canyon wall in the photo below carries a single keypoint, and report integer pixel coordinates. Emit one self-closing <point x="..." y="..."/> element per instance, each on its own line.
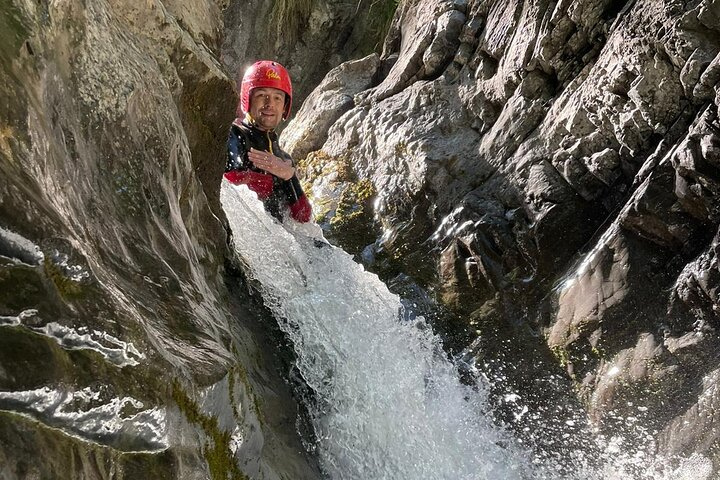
<point x="548" y="172"/>
<point x="127" y="348"/>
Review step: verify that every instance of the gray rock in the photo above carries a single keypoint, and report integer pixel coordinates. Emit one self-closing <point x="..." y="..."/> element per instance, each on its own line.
<point x="123" y="350"/>
<point x="309" y="38"/>
<point x="708" y="80"/>
<point x="327" y="103"/>
<point x="569" y="151"/>
<point x="446" y="42"/>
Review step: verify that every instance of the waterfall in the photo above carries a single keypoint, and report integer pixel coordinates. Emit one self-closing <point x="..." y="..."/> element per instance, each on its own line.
<point x="387" y="404"/>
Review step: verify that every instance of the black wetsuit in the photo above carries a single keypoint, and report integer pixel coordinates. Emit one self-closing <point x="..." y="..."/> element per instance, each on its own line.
<point x="276" y="193"/>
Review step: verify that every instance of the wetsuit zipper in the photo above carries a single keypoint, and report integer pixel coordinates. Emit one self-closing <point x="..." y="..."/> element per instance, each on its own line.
<point x="267" y="134"/>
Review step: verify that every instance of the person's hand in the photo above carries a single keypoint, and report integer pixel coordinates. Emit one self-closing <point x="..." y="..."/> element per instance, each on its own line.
<point x="271" y="164"/>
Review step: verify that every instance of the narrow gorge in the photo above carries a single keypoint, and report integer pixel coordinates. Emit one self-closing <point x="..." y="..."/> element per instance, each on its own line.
<point x="527" y="192"/>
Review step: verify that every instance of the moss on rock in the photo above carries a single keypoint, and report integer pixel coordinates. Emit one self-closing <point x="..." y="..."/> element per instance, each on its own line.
<point x="218" y="455"/>
<point x="13" y="32"/>
<point x="65" y="286"/>
<point x="349" y="216"/>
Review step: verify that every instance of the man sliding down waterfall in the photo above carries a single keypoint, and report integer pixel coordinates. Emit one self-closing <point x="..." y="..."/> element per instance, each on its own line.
<point x="254" y="156"/>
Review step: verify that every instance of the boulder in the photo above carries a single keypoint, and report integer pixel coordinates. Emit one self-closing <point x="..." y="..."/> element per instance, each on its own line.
<point x="561" y="156"/>
<point x="332" y="98"/>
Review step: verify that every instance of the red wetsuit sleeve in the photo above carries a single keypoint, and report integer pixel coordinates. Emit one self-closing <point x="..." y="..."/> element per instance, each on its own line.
<point x="301" y="209"/>
<point x="298" y="203"/>
<point x="260" y="183"/>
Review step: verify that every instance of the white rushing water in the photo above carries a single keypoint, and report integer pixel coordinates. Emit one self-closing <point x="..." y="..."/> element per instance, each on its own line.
<point x="388" y="404"/>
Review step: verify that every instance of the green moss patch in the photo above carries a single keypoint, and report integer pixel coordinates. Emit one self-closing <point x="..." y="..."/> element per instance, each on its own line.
<point x="65" y="286"/>
<point x="13" y="31"/>
<point x="377" y="23"/>
<point x="350" y="217"/>
<point x="291" y="16"/>
<point x="218" y="455"/>
<point x="353" y="219"/>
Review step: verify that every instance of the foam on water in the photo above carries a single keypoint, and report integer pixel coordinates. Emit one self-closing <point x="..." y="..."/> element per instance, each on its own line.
<point x="388" y="403"/>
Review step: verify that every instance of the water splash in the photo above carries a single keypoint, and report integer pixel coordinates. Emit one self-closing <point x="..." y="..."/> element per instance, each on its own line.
<point x="387" y="403"/>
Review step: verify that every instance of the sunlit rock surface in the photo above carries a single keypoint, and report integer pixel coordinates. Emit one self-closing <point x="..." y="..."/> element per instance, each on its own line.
<point x="332" y="98"/>
<point x="556" y="164"/>
<point x="309" y="38"/>
<point x="123" y="354"/>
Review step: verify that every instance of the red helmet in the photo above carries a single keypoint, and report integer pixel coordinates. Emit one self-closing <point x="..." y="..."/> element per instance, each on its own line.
<point x="265" y="74"/>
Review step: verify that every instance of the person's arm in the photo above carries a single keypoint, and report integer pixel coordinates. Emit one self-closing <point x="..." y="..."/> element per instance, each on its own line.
<point x="237" y="167"/>
<point x="300" y="208"/>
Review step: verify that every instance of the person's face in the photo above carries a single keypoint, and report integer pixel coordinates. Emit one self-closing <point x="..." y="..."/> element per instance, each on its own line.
<point x="266" y="107"/>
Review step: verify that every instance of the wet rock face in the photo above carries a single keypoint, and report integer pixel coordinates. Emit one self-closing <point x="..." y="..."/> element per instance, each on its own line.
<point x="561" y="156"/>
<point x="332" y="98"/>
<point x="122" y="352"/>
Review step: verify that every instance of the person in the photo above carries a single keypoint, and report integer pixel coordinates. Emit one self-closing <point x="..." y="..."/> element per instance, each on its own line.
<point x="254" y="157"/>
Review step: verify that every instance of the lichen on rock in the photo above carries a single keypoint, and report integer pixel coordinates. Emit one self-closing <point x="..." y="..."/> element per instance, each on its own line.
<point x="342" y="202"/>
